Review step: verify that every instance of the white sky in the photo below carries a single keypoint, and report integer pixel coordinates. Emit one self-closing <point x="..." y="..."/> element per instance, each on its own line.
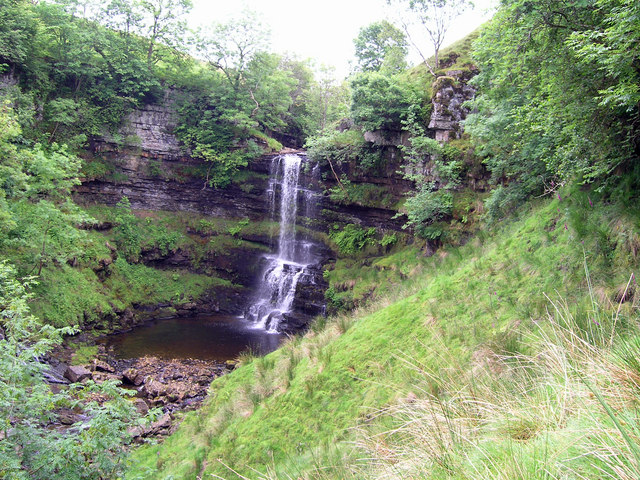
<point x="324" y="30"/>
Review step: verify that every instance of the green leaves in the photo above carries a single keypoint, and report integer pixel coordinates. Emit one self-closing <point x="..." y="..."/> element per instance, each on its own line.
<point x="29" y="448"/>
<point x="427" y="207"/>
<point x="381" y="46"/>
<point x="352" y="238"/>
<point x="612" y="47"/>
<point x="379" y="102"/>
<point x="557" y="90"/>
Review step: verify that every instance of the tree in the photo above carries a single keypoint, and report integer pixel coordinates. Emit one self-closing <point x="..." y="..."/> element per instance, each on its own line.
<point x="37" y="217"/>
<point x="164" y="24"/>
<point x="328" y="99"/>
<point x="612" y="47"/>
<point x="379" y="102"/>
<point x="18" y="28"/>
<point x="230" y="47"/>
<point x="553" y="106"/>
<point x="381" y="46"/>
<point x="433" y="16"/>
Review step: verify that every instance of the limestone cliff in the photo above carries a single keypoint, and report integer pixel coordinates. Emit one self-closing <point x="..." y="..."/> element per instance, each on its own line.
<point x="450" y="92"/>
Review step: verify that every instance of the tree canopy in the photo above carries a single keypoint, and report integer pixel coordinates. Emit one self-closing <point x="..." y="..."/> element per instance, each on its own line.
<point x="558" y="95"/>
<point x="381" y="46"/>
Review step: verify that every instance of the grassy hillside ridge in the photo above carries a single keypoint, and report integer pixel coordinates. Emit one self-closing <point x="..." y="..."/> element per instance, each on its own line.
<point x="294" y="412"/>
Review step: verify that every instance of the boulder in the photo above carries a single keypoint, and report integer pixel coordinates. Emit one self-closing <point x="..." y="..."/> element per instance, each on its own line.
<point x="141" y="406"/>
<point x="162" y="423"/>
<point x="76" y="373"/>
<point x="100" y="366"/>
<point x="132" y="376"/>
<point x="100" y="377"/>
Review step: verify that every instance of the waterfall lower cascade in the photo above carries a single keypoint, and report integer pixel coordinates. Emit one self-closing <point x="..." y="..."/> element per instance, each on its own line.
<point x="295" y="261"/>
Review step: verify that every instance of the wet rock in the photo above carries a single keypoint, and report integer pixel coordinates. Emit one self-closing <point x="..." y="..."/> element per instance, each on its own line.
<point x="55" y="374"/>
<point x="141" y="406"/>
<point x="76" y="373"/>
<point x="100" y="377"/>
<point x="154" y="388"/>
<point x="67" y="416"/>
<point x="100" y="366"/>
<point x="163" y="422"/>
<point x="132" y="376"/>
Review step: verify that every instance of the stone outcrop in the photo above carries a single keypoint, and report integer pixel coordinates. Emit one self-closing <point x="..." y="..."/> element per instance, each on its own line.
<point x="148" y="130"/>
<point x="172" y="385"/>
<point x="76" y="373"/>
<point x="449" y="94"/>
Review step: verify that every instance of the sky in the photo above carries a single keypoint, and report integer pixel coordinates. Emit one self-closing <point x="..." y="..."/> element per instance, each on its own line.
<point x="324" y="30"/>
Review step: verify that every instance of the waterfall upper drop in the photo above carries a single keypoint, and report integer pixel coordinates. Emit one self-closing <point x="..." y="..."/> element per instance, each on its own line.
<point x="295" y="262"/>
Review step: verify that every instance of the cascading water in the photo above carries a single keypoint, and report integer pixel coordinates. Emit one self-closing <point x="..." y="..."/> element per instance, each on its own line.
<point x="284" y="270"/>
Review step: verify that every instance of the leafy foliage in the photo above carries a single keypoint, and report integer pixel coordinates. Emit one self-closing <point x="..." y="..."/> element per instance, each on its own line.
<point x="342" y="148"/>
<point x="381" y="46"/>
<point x="37" y="216"/>
<point x="352" y="238"/>
<point x="29" y="447"/>
<point x="556" y="100"/>
<point x="427" y="206"/>
<point x="380" y="102"/>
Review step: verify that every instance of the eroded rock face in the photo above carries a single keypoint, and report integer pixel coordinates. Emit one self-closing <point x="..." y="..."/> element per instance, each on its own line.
<point x="151" y="169"/>
<point x="149" y="129"/>
<point x="450" y="93"/>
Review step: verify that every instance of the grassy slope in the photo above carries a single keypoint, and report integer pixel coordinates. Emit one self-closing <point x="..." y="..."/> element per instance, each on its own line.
<point x="293" y="413"/>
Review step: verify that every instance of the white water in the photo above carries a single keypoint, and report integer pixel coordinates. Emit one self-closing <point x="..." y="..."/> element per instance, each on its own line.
<point x="283" y="271"/>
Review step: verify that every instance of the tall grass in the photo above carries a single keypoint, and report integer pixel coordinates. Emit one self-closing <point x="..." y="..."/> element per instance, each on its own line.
<point x="569" y="409"/>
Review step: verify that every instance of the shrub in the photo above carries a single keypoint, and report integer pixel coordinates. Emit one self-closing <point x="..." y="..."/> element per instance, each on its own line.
<point x="427" y="207"/>
<point x="352" y="238"/>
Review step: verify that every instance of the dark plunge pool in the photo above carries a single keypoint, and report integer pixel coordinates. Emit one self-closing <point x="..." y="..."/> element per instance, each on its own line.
<point x="215" y="337"/>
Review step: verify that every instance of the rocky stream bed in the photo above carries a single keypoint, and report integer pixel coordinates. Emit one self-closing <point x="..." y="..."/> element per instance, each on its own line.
<point x="171" y="385"/>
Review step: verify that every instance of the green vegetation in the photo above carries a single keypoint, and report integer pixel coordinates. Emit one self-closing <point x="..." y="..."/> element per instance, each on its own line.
<point x="29" y="449"/>
<point x="510" y="352"/>
<point x="407" y="376"/>
<point x="351" y="239"/>
<point x="76" y="70"/>
<point x="381" y="46"/>
<point x="558" y="97"/>
<point x="363" y="194"/>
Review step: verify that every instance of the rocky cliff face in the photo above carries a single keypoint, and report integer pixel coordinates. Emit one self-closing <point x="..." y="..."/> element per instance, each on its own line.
<point x="450" y="93"/>
<point x="152" y="169"/>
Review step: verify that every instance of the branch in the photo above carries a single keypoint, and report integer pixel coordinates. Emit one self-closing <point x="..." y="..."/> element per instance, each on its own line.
<point x="424" y="60"/>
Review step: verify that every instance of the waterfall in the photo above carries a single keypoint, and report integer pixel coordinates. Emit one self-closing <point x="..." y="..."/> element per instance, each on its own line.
<point x="284" y="270"/>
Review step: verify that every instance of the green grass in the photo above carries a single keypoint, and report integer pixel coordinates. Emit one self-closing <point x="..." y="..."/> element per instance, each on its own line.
<point x="83" y="353"/>
<point x="322" y="405"/>
<point x="363" y="194"/>
<point x="77" y="296"/>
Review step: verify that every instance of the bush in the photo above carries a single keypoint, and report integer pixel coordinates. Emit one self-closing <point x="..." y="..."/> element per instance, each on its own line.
<point x="427" y="207"/>
<point x="379" y="102"/>
<point x="127" y="234"/>
<point x="352" y="238"/>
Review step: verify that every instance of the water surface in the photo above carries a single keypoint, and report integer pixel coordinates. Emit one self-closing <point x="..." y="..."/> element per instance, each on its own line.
<point x="205" y="337"/>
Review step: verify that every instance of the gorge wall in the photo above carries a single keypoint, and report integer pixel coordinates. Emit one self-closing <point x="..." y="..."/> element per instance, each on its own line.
<point x="146" y="163"/>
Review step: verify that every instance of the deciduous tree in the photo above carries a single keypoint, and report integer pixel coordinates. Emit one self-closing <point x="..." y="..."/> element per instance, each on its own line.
<point x="434" y="17"/>
<point x="381" y="46"/>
